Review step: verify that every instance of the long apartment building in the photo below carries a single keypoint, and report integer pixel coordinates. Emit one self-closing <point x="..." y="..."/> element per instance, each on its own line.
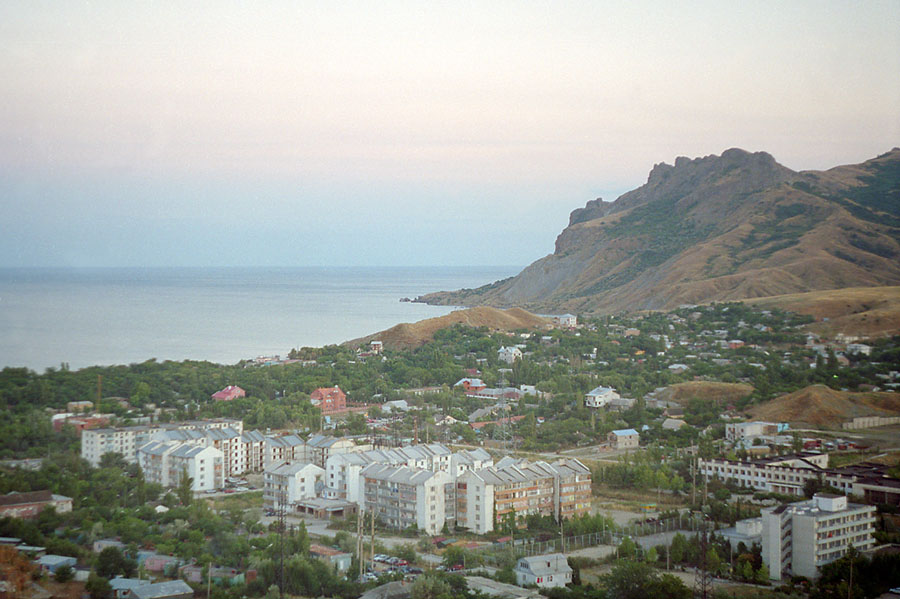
<point x="519" y="488"/>
<point x="788" y="474"/>
<point x="285" y="484"/>
<point x="799" y="538"/>
<point x="343" y="469"/>
<point x="127" y="440"/>
<point x="403" y="497"/>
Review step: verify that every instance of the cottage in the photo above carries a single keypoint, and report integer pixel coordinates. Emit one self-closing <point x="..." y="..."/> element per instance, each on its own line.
<point x="509" y="354"/>
<point x="547" y="571"/>
<point x="29" y="505"/>
<point x="51" y="563"/>
<point x="600" y="397"/>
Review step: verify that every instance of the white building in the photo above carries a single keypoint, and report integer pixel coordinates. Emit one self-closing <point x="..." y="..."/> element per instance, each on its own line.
<point x="402" y="497"/>
<point x="164" y="462"/>
<point x="546" y="571"/>
<point x="566" y="320"/>
<point x="736" y="431"/>
<point x="600" y="397"/>
<point x="291" y="482"/>
<point x="799" y="538"/>
<point x="320" y="447"/>
<point x="625" y="438"/>
<point x="286" y="448"/>
<point x="509" y="354"/>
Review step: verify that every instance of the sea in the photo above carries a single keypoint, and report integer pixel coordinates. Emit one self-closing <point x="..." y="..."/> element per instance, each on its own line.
<point x="105" y="316"/>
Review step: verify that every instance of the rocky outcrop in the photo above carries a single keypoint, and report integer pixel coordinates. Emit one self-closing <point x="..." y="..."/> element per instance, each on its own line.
<point x="716" y="228"/>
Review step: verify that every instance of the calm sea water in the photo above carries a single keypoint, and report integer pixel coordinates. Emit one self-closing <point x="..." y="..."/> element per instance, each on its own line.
<point x="125" y="315"/>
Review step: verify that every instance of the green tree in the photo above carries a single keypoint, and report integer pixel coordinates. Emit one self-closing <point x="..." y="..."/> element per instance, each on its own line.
<point x="98" y="587"/>
<point x="64" y="573"/>
<point x="430" y="586"/>
<point x="679" y="547"/>
<point x="185" y="490"/>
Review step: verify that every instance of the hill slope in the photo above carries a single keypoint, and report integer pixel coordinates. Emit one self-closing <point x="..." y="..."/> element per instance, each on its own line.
<point x="717" y="228"/>
<point x="410" y="336"/>
<point x="819" y="406"/>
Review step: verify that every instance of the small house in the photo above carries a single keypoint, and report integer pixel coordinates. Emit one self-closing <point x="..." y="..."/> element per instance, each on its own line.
<point x="547" y="571"/>
<point x="626" y="438"/>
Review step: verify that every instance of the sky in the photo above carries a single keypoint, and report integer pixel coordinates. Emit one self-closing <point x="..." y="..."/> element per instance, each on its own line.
<point x="402" y="133"/>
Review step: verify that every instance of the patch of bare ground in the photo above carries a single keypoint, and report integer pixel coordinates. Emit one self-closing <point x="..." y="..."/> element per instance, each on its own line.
<point x="862" y="311"/>
<point x="722" y="393"/>
<point x="818" y="406"/>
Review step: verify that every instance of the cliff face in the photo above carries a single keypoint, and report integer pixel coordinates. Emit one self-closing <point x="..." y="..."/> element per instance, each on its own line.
<point x="726" y="227"/>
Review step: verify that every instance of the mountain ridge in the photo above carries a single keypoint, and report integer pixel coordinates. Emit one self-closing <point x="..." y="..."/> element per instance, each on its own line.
<point x="716" y="228"/>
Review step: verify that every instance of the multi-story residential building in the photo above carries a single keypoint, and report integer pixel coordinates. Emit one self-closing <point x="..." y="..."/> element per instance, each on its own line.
<point x="165" y="462"/>
<point x="517" y="489"/>
<point x="124" y="440"/>
<point x="469" y="459"/>
<point x="286" y="448"/>
<point x="788" y="475"/>
<point x="127" y="440"/>
<point x="402" y="497"/>
<point x="799" y="538"/>
<point x="320" y="447"/>
<point x="342" y="469"/>
<point x="290" y="483"/>
<point x="204" y="465"/>
<point x="600" y="397"/>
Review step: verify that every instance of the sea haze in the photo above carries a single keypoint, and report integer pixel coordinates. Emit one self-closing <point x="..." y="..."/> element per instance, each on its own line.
<point x="102" y="316"/>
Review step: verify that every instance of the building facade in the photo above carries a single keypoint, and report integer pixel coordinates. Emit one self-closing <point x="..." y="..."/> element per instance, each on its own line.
<point x="799" y="538"/>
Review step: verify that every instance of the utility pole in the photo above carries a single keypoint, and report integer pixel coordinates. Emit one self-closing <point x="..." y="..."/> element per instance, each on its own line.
<point x="703" y="577"/>
<point x="372" y="537"/>
<point x="281" y="528"/>
<point x="359" y="542"/>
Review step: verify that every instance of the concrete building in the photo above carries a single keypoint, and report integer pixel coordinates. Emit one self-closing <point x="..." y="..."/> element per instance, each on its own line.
<point x="736" y="431"/>
<point x="286" y="448"/>
<point x="626" y="438"/>
<point x="402" y="497"/>
<point x="545" y="571"/>
<point x="320" y="447"/>
<point x="164" y="462"/>
<point x="520" y="488"/>
<point x="799" y="538"/>
<point x="28" y="505"/>
<point x="600" y="397"/>
<point x="291" y="481"/>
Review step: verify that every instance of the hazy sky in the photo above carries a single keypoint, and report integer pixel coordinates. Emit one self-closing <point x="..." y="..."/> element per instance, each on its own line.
<point x="402" y="133"/>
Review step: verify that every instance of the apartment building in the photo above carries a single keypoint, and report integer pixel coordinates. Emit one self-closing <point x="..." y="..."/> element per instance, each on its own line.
<point x="164" y="462"/>
<point x="402" y="497"/>
<point x="799" y="538"/>
<point x="736" y="431"/>
<point x="788" y="474"/>
<point x="320" y="447"/>
<point x="290" y="483"/>
<point x="286" y="448"/>
<point x="128" y="439"/>
<point x="625" y="438"/>
<point x="520" y="488"/>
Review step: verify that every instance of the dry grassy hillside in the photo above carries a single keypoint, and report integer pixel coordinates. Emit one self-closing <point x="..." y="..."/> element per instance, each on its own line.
<point x="410" y="336"/>
<point x="865" y="311"/>
<point x="721" y="393"/>
<point x="821" y="407"/>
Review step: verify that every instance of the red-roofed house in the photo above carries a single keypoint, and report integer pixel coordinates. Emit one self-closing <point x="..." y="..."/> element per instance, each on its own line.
<point x="228" y="393"/>
<point x="329" y="399"/>
<point x="29" y="505"/>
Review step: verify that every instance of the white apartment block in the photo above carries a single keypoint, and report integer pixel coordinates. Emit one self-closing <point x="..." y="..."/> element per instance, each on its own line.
<point x="290" y="483"/>
<point x="127" y="440"/>
<point x="320" y="447"/>
<point x="286" y="448"/>
<point x="600" y="397"/>
<point x="402" y="497"/>
<point x="799" y="538"/>
<point x="783" y="474"/>
<point x="164" y="462"/>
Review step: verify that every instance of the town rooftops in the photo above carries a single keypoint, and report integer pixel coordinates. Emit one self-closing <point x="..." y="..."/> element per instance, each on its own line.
<point x="285" y="441"/>
<point x="290" y="469"/>
<point x="397" y="474"/>
<point x="321" y="441"/>
<point x="544" y="565"/>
